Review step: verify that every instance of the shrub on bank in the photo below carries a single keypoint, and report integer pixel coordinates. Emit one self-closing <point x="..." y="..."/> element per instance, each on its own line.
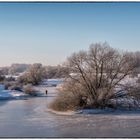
<point x="28" y="89"/>
<point x="135" y="92"/>
<point x="12" y="86"/>
<point x="6" y="86"/>
<point x="15" y="87"/>
<point x="68" y="101"/>
<point x="2" y="78"/>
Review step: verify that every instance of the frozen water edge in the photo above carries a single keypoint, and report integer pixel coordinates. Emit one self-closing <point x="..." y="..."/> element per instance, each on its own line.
<point x="11" y="94"/>
<point x="64" y="112"/>
<point x="8" y="95"/>
<point x="107" y="111"/>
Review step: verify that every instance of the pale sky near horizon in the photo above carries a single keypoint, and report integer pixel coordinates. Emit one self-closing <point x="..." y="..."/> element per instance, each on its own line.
<point x="49" y="32"/>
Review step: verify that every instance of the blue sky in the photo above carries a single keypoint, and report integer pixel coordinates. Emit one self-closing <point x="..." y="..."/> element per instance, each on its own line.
<point x="49" y="32"/>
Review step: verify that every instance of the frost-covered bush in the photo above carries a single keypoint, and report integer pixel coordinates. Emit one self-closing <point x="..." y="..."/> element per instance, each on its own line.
<point x="7" y="85"/>
<point x="10" y="79"/>
<point x="135" y="92"/>
<point x="126" y="103"/>
<point x="13" y="86"/>
<point x="28" y="89"/>
<point x="2" y="78"/>
<point x="33" y="75"/>
<point x="68" y="101"/>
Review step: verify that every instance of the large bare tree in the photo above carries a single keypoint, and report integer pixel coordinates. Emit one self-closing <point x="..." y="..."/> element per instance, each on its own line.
<point x="98" y="72"/>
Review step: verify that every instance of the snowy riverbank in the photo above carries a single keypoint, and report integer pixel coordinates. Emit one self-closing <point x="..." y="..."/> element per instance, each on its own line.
<point x="50" y="84"/>
<point x="10" y="94"/>
<point x="125" y="103"/>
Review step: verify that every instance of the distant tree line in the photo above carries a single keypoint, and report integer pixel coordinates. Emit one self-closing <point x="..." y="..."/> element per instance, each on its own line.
<point x="14" y="69"/>
<point x="58" y="71"/>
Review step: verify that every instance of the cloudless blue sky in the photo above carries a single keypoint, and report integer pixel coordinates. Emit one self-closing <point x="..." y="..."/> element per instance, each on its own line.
<point x="49" y="32"/>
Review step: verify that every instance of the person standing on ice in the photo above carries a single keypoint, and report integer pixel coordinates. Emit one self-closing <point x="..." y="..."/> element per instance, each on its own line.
<point x="46" y="91"/>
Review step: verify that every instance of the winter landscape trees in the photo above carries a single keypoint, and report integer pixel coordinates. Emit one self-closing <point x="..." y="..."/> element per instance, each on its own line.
<point x="92" y="77"/>
<point x="98" y="74"/>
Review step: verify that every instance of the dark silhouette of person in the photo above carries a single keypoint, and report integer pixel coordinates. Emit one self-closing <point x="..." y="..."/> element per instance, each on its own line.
<point x="46" y="91"/>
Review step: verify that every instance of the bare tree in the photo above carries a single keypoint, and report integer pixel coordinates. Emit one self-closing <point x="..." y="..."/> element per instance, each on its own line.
<point x="34" y="74"/>
<point x="99" y="71"/>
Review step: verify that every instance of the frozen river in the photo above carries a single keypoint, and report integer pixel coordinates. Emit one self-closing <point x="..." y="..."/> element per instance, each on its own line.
<point x="30" y="118"/>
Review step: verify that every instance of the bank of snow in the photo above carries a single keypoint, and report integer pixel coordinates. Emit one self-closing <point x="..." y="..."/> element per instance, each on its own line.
<point x="10" y="94"/>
